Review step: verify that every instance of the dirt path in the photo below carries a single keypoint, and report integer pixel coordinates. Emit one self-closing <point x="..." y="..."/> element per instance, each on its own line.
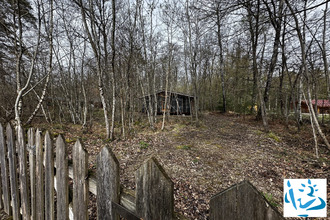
<point x="223" y="151"/>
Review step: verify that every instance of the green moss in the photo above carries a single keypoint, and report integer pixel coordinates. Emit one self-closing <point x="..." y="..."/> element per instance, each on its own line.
<point x="274" y="137"/>
<point x="143" y="145"/>
<point x="269" y="197"/>
<point x="69" y="140"/>
<point x="184" y="147"/>
<point x="258" y="132"/>
<point x="218" y="146"/>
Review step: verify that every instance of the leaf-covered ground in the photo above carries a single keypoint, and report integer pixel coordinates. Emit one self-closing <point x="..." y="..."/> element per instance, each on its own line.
<point x="202" y="161"/>
<point x="222" y="151"/>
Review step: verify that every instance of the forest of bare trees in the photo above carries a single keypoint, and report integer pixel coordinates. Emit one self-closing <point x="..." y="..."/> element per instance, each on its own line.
<point x="65" y="61"/>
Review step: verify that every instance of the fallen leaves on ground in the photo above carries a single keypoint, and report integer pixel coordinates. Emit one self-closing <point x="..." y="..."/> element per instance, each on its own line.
<point x="223" y="150"/>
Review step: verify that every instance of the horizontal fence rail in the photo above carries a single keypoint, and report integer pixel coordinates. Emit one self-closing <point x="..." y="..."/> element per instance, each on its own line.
<point x="35" y="173"/>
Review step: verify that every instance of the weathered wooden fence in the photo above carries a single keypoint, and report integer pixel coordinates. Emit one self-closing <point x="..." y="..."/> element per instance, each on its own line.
<point x="35" y="176"/>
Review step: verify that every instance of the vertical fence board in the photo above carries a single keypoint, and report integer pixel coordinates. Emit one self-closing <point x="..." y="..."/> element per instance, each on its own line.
<point x="32" y="164"/>
<point x="1" y="202"/>
<point x="80" y="182"/>
<point x="154" y="192"/>
<point x="40" y="212"/>
<point x="62" y="180"/>
<point x="223" y="205"/>
<point x="12" y="172"/>
<point x="49" y="178"/>
<point x="242" y="201"/>
<point x="108" y="186"/>
<point x="4" y="173"/>
<point x="23" y="177"/>
<point x="252" y="205"/>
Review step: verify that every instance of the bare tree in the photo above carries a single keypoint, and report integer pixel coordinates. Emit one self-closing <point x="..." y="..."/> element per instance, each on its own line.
<point x="94" y="40"/>
<point x="306" y="73"/>
<point x="113" y="79"/>
<point x="21" y="87"/>
<point x="50" y="62"/>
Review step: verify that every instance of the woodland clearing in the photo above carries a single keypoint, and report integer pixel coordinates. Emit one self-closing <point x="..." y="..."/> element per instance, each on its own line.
<point x="204" y="160"/>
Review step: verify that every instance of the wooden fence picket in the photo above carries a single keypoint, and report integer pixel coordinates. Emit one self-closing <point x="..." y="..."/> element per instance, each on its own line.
<point x="108" y="186"/>
<point x="80" y="182"/>
<point x="4" y="172"/>
<point x="23" y="178"/>
<point x="40" y="187"/>
<point x="62" y="180"/>
<point x="49" y="178"/>
<point x="1" y="202"/>
<point x="154" y="192"/>
<point x="242" y="201"/>
<point x="12" y="172"/>
<point x="32" y="167"/>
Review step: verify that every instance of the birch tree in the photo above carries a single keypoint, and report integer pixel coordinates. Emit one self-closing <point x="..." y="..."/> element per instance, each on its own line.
<point x="306" y="73"/>
<point x="92" y="28"/>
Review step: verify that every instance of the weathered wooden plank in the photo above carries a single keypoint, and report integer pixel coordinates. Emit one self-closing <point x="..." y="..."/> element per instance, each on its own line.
<point x="23" y="177"/>
<point x="127" y="198"/>
<point x="252" y="205"/>
<point x="223" y="205"/>
<point x="32" y="165"/>
<point x="4" y="173"/>
<point x="108" y="186"/>
<point x="154" y="192"/>
<point x="62" y="180"/>
<point x="123" y="212"/>
<point x="49" y="178"/>
<point x="12" y="172"/>
<point x="242" y="201"/>
<point x="80" y="182"/>
<point x="1" y="202"/>
<point x="40" y="186"/>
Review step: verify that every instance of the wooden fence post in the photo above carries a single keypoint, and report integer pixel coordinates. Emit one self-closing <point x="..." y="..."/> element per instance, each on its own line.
<point x="242" y="201"/>
<point x="4" y="173"/>
<point x="49" y="178"/>
<point x="62" y="179"/>
<point x="12" y="172"/>
<point x="80" y="182"/>
<point x="154" y="192"/>
<point x="40" y="186"/>
<point x="108" y="186"/>
<point x="23" y="178"/>
<point x="1" y="202"/>
<point x="32" y="166"/>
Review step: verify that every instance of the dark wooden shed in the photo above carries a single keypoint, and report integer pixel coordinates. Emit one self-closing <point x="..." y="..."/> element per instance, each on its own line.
<point x="177" y="103"/>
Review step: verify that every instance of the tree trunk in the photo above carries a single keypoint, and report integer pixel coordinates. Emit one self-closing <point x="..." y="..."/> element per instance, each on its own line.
<point x="97" y="53"/>
<point x="276" y="20"/>
<point x="324" y="51"/>
<point x="301" y="36"/>
<point x="222" y="74"/>
<point x="310" y="106"/>
<point x="113" y="35"/>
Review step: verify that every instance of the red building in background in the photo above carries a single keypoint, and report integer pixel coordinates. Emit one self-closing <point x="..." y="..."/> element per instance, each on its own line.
<point x="323" y="106"/>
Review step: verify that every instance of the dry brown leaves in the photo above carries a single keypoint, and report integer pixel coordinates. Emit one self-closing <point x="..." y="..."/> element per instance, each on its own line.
<point x="222" y="151"/>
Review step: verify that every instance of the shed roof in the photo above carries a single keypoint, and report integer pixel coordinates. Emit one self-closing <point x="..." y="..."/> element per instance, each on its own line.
<point x="320" y="102"/>
<point x="172" y="92"/>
